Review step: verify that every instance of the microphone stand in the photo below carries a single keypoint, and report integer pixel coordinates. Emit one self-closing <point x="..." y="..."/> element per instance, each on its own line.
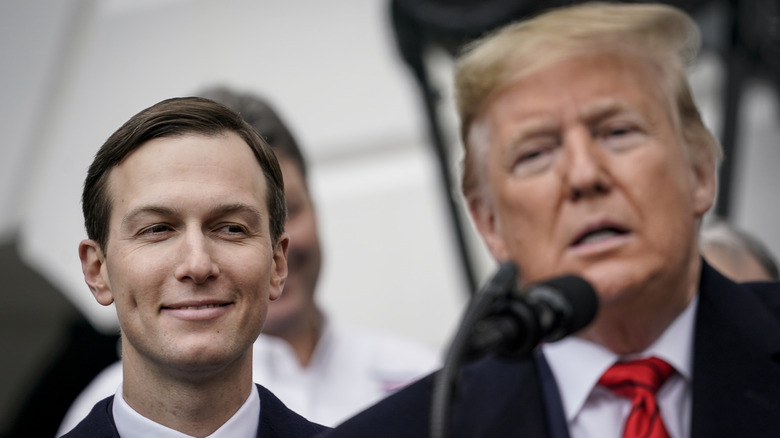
<point x="445" y="381"/>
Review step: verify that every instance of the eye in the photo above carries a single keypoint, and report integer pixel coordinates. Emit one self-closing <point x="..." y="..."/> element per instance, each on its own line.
<point x="156" y="232"/>
<point x="535" y="156"/>
<point x="620" y="136"/>
<point x="620" y="131"/>
<point x="232" y="229"/>
<point x="156" y="229"/>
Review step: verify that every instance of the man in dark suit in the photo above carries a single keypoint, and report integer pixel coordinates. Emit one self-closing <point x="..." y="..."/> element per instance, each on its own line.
<point x="585" y="154"/>
<point x="184" y="209"/>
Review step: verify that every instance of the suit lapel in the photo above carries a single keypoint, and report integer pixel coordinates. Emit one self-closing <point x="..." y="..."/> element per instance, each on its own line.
<point x="736" y="374"/>
<point x="502" y="398"/>
<point x="277" y="421"/>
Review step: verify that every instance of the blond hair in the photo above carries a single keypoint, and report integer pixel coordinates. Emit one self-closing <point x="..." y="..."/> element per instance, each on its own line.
<point x="661" y="35"/>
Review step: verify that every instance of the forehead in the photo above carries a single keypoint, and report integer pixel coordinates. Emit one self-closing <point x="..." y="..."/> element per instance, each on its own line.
<point x="189" y="168"/>
<point x="579" y="87"/>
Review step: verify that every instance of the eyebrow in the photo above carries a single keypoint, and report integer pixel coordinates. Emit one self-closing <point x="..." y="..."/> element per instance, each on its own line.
<point x="606" y="107"/>
<point x="147" y="210"/>
<point x="252" y="213"/>
<point x="533" y="127"/>
<point x="600" y="109"/>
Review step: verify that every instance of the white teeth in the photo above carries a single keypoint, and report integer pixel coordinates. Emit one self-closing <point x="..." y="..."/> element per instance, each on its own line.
<point x="200" y="307"/>
<point x="598" y="235"/>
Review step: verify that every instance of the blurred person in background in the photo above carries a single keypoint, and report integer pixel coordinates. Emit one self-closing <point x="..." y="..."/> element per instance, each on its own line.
<point x="320" y="369"/>
<point x="737" y="254"/>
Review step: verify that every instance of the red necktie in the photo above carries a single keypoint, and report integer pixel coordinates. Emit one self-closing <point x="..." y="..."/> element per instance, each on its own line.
<point x="638" y="381"/>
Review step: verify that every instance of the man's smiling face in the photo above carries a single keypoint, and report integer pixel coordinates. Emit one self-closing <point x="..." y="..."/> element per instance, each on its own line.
<point x="189" y="262"/>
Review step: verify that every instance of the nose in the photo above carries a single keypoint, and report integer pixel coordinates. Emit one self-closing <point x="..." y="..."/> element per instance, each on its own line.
<point x="584" y="168"/>
<point x="196" y="264"/>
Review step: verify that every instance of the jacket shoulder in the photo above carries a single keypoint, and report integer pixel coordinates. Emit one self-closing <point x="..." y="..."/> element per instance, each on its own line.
<point x="277" y="420"/>
<point x="98" y="424"/>
<point x="768" y="293"/>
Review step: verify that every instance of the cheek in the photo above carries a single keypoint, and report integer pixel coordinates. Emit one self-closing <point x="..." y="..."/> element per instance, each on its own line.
<point x="139" y="278"/>
<point x="527" y="209"/>
<point x="252" y="278"/>
<point x="664" y="192"/>
<point x="527" y="225"/>
<point x="122" y="274"/>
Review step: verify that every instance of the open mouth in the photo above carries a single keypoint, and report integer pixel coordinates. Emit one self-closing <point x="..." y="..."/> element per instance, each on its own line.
<point x="599" y="234"/>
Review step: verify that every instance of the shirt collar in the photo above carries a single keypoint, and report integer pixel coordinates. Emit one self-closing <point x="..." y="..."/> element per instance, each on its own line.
<point x="131" y="424"/>
<point x="592" y="360"/>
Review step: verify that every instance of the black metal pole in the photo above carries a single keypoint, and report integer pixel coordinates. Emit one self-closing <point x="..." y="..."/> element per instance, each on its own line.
<point x="735" y="60"/>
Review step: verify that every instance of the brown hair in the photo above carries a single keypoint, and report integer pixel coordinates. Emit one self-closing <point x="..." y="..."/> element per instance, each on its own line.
<point x="170" y="118"/>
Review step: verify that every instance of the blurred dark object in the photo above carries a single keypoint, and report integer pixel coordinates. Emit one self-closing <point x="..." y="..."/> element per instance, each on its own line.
<point x="749" y="41"/>
<point x="751" y="49"/>
<point x="422" y="24"/>
<point x="84" y="354"/>
<point x="50" y="351"/>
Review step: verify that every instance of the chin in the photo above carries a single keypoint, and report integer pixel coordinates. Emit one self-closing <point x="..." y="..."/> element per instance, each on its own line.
<point x="613" y="284"/>
<point x="208" y="359"/>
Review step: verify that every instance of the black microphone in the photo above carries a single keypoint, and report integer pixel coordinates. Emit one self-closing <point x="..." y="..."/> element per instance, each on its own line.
<point x="521" y="319"/>
<point x="504" y="320"/>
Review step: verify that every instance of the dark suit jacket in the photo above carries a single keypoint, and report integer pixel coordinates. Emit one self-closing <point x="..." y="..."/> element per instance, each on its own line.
<point x="736" y="380"/>
<point x="276" y="421"/>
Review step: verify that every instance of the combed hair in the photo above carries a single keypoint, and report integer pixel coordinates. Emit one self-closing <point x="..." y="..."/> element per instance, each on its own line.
<point x="661" y="35"/>
<point x="171" y="118"/>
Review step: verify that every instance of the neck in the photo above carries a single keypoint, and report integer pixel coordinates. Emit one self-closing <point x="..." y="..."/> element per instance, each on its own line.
<point x="634" y="324"/>
<point x="194" y="404"/>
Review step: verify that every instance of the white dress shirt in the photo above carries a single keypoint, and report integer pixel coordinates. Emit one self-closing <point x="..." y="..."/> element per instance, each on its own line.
<point x="595" y="412"/>
<point x="349" y="371"/>
<point x="131" y="424"/>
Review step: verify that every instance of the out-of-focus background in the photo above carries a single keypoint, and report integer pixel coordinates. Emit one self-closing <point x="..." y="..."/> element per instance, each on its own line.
<point x="368" y="98"/>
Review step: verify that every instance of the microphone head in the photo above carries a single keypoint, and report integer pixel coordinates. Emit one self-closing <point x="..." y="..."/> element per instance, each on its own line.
<point x="572" y="298"/>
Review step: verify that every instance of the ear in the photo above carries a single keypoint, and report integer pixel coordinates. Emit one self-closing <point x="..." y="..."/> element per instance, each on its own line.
<point x="705" y="185"/>
<point x="279" y="267"/>
<point x="485" y="220"/>
<point x="93" y="266"/>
